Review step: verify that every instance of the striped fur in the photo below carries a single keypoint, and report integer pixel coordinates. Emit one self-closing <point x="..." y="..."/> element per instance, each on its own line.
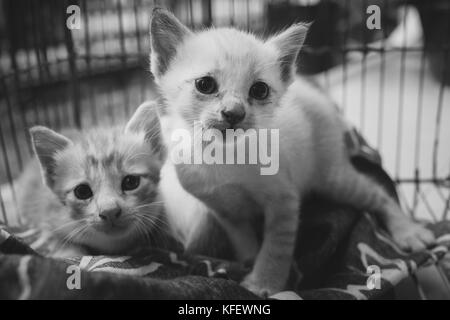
<point x="101" y="158"/>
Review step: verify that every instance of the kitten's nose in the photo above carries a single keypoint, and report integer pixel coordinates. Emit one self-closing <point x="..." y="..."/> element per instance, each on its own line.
<point x="110" y="215"/>
<point x="233" y="115"/>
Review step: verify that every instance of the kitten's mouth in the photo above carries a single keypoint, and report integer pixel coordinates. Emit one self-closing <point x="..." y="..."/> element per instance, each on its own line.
<point x="223" y="127"/>
<point x="233" y="129"/>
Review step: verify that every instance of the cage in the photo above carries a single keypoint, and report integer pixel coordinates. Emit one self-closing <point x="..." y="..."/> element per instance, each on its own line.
<point x="83" y="63"/>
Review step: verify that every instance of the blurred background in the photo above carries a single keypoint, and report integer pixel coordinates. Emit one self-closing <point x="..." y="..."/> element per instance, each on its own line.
<point x="391" y="81"/>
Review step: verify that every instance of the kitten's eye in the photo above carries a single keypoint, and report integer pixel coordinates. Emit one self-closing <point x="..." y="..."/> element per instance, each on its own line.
<point x="83" y="192"/>
<point x="259" y="90"/>
<point x="130" y="182"/>
<point x="206" y="85"/>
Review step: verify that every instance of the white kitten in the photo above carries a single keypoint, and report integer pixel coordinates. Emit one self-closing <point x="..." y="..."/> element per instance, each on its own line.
<point x="228" y="79"/>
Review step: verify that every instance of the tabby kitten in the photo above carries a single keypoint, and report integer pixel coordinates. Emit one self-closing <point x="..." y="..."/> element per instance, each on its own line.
<point x="100" y="186"/>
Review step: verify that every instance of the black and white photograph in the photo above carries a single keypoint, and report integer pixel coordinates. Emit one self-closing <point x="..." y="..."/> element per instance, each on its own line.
<point x="218" y="150"/>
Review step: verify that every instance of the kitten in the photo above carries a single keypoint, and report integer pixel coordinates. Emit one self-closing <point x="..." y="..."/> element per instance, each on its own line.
<point x="100" y="186"/>
<point x="228" y="79"/>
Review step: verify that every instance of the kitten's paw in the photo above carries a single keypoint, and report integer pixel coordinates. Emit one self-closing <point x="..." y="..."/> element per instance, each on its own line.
<point x="261" y="289"/>
<point x="413" y="237"/>
<point x="256" y="289"/>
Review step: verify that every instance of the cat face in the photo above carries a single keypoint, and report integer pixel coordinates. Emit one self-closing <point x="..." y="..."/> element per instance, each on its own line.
<point x="221" y="78"/>
<point x="106" y="178"/>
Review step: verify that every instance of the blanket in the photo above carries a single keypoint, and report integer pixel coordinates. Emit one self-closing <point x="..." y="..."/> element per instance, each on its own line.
<point x="340" y="254"/>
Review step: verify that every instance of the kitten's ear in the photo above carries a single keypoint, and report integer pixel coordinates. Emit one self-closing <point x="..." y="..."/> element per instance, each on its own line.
<point x="166" y="33"/>
<point x="145" y="119"/>
<point x="288" y="44"/>
<point x="46" y="144"/>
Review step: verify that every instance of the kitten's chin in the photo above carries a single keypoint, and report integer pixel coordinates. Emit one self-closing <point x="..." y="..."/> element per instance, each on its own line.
<point x="110" y="230"/>
<point x="109" y="240"/>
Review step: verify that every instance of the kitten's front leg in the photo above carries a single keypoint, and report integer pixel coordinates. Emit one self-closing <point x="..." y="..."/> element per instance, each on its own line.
<point x="273" y="262"/>
<point x="408" y="234"/>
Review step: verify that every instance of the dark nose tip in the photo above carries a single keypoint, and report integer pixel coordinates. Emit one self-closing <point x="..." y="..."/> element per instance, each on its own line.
<point x="233" y="116"/>
<point x="110" y="215"/>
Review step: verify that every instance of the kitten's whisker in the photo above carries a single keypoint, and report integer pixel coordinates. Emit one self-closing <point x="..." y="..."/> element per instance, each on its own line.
<point x="68" y="238"/>
<point x="149" y="205"/>
<point x="154" y="219"/>
<point x="143" y="231"/>
<point x="65" y="225"/>
<point x="158" y="227"/>
<point x="74" y="233"/>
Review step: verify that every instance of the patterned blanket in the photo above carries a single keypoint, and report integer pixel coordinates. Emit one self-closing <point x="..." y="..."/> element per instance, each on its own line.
<point x="340" y="254"/>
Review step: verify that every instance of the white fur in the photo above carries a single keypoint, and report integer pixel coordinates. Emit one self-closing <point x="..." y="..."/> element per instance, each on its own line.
<point x="313" y="156"/>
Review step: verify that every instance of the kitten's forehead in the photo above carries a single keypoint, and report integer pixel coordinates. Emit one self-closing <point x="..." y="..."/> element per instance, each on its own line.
<point x="103" y="147"/>
<point x="227" y="50"/>
<point x="104" y="153"/>
<point x="116" y="149"/>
